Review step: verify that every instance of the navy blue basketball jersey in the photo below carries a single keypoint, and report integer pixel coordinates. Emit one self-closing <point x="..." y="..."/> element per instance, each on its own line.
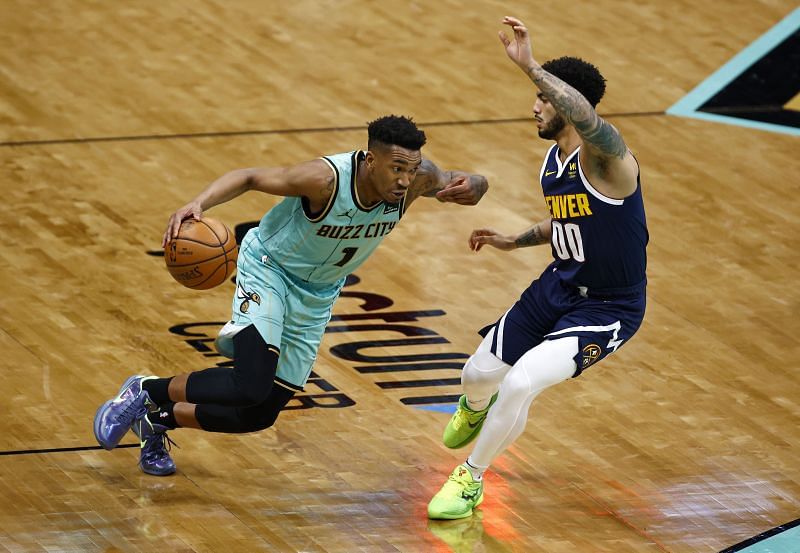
<point x="598" y="242"/>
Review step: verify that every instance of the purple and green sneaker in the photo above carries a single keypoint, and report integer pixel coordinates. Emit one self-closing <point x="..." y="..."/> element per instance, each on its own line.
<point x="115" y="417"/>
<point x="154" y="457"/>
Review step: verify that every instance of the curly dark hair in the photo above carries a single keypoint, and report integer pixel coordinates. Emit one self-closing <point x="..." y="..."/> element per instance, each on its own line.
<point x="580" y="75"/>
<point x="395" y="130"/>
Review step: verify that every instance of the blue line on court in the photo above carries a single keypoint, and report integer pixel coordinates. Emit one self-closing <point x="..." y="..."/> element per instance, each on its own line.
<point x="448" y="408"/>
<point x="688" y="105"/>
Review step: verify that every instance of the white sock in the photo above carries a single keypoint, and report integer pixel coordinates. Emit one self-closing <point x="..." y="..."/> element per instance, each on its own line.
<point x="476" y="472"/>
<point x="478" y="405"/>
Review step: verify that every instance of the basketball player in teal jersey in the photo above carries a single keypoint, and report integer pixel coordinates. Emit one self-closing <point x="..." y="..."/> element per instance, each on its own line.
<point x="586" y="304"/>
<point x="291" y="268"/>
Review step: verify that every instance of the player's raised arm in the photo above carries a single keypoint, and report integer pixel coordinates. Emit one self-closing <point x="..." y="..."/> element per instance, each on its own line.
<point x="447" y="186"/>
<point x="313" y="179"/>
<point x="597" y="133"/>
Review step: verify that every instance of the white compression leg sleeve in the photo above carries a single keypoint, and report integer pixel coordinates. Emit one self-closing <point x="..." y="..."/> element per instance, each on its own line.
<point x="482" y="374"/>
<point x="547" y="364"/>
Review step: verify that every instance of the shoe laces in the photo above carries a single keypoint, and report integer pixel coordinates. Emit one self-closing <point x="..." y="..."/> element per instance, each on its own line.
<point x="460" y="418"/>
<point x="464" y="416"/>
<point x="462" y="480"/>
<point x="131" y="411"/>
<point x="157" y="444"/>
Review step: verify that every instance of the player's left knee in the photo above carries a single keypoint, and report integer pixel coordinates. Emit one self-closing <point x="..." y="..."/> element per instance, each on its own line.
<point x="263" y="416"/>
<point x="263" y="419"/>
<point x="483" y="369"/>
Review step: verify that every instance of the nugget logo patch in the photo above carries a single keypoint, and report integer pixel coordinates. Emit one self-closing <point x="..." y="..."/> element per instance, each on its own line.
<point x="591" y="353"/>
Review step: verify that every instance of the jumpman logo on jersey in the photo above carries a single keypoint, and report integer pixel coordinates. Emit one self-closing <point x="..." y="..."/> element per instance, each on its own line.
<point x="348" y="213"/>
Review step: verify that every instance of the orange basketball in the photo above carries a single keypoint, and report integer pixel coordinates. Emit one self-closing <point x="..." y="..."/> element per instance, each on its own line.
<point x="203" y="255"/>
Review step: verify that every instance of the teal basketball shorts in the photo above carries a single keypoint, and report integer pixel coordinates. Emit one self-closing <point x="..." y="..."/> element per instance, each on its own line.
<point x="286" y="311"/>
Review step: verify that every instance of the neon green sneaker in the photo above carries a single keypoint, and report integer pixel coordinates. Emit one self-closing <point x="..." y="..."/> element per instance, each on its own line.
<point x="459" y="495"/>
<point x="465" y="424"/>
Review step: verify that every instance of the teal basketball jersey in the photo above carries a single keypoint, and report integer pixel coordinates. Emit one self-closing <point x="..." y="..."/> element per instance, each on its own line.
<point x="327" y="246"/>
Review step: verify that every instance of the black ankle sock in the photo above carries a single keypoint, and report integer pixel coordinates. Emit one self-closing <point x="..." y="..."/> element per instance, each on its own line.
<point x="164" y="416"/>
<point x="157" y="389"/>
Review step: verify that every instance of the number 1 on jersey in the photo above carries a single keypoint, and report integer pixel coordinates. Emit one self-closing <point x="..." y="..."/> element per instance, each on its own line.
<point x="348" y="255"/>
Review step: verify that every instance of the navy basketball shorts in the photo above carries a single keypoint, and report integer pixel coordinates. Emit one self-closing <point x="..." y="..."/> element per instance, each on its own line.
<point x="550" y="309"/>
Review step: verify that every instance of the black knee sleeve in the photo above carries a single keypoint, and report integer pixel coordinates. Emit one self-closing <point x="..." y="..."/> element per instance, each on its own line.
<point x="248" y="383"/>
<point x="236" y="420"/>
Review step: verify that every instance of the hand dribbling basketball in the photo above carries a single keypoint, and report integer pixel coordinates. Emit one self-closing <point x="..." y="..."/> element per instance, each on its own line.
<point x="202" y="254"/>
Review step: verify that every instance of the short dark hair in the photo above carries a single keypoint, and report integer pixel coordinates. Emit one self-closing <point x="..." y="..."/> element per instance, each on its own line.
<point x="580" y="75"/>
<point x="395" y="130"/>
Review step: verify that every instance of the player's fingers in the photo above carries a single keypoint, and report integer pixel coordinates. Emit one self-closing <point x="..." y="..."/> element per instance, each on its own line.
<point x="503" y="38"/>
<point x="453" y="197"/>
<point x="452" y="193"/>
<point x="167" y="235"/>
<point x="463" y="180"/>
<point x="457" y="188"/>
<point x="511" y="21"/>
<point x="481" y="241"/>
<point x="176" y="227"/>
<point x="444" y="193"/>
<point x="456" y="184"/>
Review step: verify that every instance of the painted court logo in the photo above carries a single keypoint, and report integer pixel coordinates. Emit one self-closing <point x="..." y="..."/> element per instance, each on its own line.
<point x="591" y="353"/>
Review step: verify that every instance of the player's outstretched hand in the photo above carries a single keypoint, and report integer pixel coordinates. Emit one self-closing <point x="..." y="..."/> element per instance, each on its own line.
<point x="488" y="236"/>
<point x="189" y="210"/>
<point x="463" y="190"/>
<point x="519" y="49"/>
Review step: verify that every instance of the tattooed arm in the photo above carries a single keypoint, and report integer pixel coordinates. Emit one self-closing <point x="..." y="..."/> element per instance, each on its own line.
<point x="537" y="234"/>
<point x="596" y="132"/>
<point x="608" y="161"/>
<point x="447" y="186"/>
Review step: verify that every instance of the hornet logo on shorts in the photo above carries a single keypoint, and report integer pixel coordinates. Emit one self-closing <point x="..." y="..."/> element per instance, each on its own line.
<point x="241" y="293"/>
<point x="590" y="354"/>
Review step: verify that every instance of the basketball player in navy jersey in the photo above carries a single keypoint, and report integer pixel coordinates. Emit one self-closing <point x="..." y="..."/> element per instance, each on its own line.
<point x="337" y="209"/>
<point x="586" y="304"/>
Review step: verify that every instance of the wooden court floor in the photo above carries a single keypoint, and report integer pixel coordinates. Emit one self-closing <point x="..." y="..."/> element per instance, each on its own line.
<point x="112" y="115"/>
